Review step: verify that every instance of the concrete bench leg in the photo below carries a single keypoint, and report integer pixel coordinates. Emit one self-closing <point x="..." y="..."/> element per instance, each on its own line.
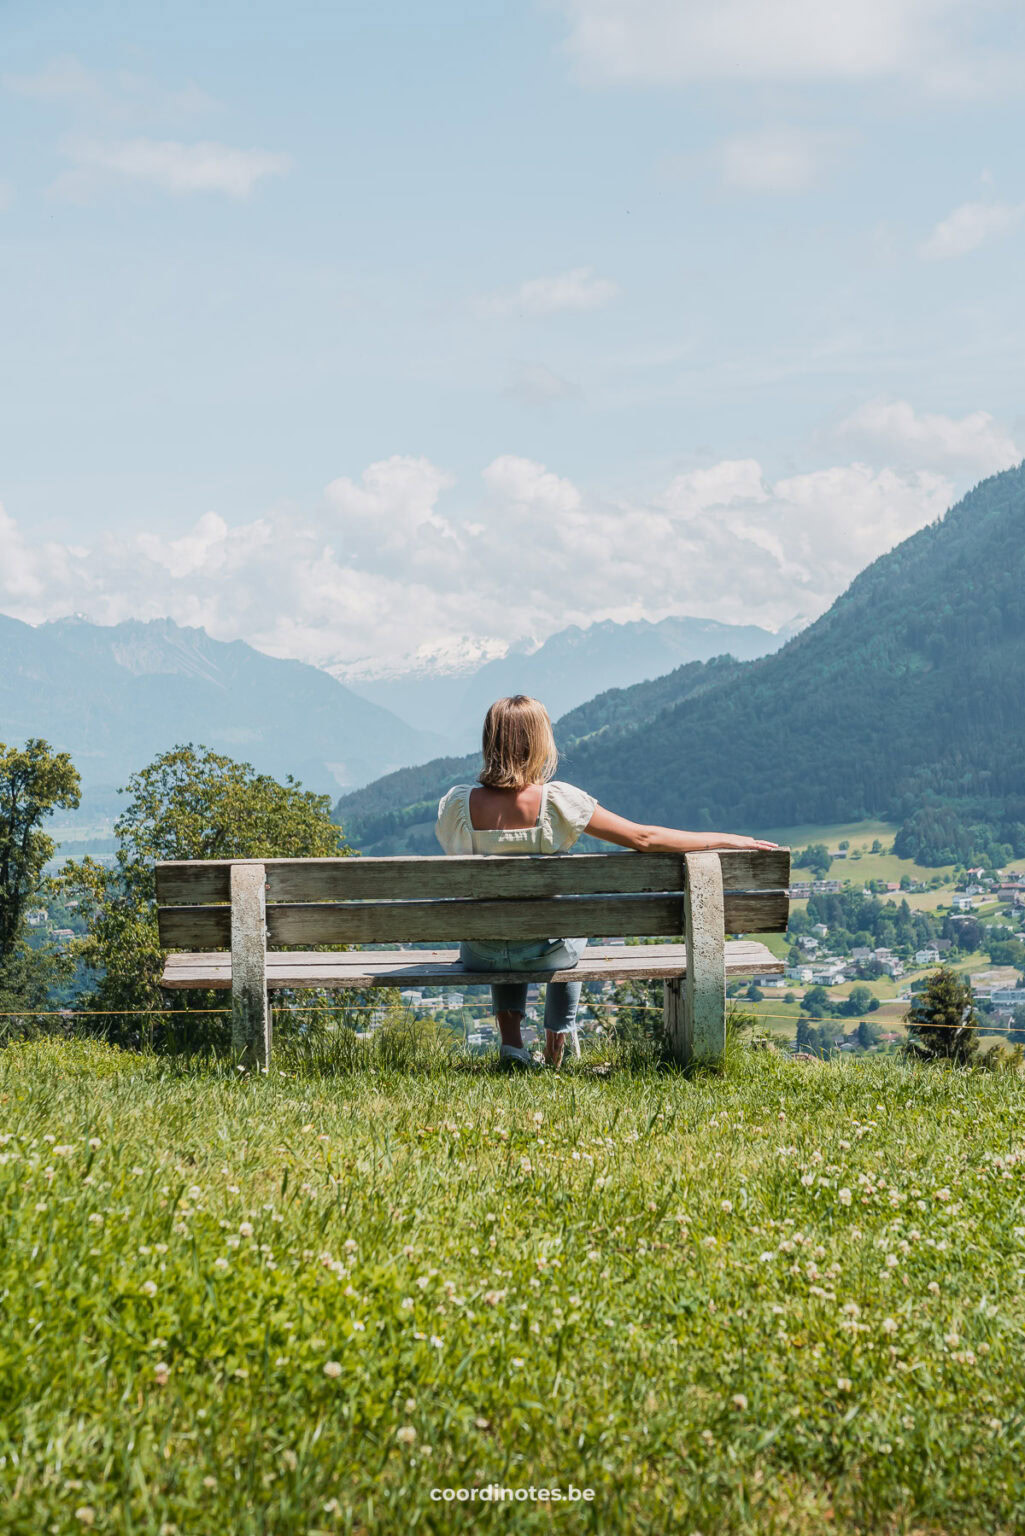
<point x="250" y="1015"/>
<point x="695" y="1004"/>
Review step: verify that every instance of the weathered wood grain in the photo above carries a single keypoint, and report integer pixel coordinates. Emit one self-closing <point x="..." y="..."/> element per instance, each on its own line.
<point x="704" y="986"/>
<point x="440" y="967"/>
<point x="250" y="1015"/>
<point x="677" y="1019"/>
<point x="206" y="882"/>
<point x="413" y="921"/>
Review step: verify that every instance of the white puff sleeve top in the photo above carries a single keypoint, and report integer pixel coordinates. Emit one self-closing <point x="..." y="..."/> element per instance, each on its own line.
<point x="563" y="815"/>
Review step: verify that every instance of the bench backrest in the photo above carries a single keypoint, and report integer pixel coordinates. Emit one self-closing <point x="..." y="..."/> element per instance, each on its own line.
<point x="412" y="900"/>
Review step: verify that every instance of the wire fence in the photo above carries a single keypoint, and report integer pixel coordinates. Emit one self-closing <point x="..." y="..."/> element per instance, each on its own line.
<point x="983" y="1026"/>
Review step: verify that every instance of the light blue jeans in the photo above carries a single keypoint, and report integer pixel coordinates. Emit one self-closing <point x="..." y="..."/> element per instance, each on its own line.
<point x="561" y="997"/>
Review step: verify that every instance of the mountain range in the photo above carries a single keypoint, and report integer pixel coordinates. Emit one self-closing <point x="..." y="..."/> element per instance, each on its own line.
<point x="566" y="670"/>
<point x="115" y="696"/>
<point x="908" y="694"/>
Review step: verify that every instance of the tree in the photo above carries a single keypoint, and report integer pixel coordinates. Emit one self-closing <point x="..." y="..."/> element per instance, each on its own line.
<point x="817" y="1002"/>
<point x="1016" y="1033"/>
<point x="34" y="781"/>
<point x="859" y="1001"/>
<point x="867" y="1034"/>
<point x="816" y="858"/>
<point x="190" y="803"/>
<point x="942" y="1022"/>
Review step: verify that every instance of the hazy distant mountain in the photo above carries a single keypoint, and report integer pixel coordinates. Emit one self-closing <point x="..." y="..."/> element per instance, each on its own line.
<point x="569" y="668"/>
<point x="115" y="696"/>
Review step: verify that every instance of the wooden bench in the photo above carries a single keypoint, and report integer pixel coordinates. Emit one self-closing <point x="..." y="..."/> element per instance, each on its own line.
<point x="236" y="919"/>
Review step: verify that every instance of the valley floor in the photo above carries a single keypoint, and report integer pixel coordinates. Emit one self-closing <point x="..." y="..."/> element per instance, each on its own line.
<point x="787" y="1298"/>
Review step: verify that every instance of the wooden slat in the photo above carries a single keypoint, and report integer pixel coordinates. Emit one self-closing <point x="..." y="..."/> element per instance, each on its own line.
<point x="414" y="968"/>
<point x="205" y="882"/>
<point x="388" y="922"/>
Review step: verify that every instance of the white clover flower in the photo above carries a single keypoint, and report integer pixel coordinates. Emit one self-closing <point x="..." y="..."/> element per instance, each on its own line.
<point x="359" y="1327"/>
<point x="333" y="1369"/>
<point x="766" y="1257"/>
<point x="516" y="1361"/>
<point x="933" y="1288"/>
<point x="890" y="1325"/>
<point x="739" y="1402"/>
<point x="844" y="1196"/>
<point x="149" y="1288"/>
<point x="437" y="1343"/>
<point x="221" y="1263"/>
<point x="406" y="1434"/>
<point x="85" y="1514"/>
<point x="94" y="1142"/>
<point x="246" y="1228"/>
<point x="844" y="1384"/>
<point x="726" y="1205"/>
<point x="161" y="1371"/>
<point x="952" y="1340"/>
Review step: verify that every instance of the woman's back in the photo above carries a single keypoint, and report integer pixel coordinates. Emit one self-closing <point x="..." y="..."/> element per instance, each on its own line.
<point x="468" y="824"/>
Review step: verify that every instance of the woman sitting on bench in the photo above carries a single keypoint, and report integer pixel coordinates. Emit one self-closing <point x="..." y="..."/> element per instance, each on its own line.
<point x="517" y="807"/>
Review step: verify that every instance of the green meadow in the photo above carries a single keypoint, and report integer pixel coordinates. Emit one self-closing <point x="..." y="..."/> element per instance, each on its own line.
<point x="785" y="1298"/>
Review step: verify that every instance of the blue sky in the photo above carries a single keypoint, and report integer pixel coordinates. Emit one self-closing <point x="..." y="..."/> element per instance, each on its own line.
<point x="372" y="331"/>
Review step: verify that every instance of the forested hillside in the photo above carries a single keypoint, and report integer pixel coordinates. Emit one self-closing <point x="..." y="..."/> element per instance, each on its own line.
<point x="907" y="694"/>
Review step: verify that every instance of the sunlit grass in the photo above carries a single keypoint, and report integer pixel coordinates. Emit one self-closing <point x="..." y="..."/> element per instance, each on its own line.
<point x="784" y="1299"/>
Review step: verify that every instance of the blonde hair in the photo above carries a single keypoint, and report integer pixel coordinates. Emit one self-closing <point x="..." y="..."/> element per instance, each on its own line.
<point x="518" y="744"/>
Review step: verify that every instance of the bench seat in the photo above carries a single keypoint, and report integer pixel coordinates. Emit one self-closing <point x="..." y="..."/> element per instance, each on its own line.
<point x="441" y="967"/>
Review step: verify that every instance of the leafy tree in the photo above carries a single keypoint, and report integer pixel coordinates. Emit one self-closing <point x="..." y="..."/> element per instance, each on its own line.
<point x="1016" y="1033"/>
<point x="755" y="993"/>
<point x="190" y="803"/>
<point x="817" y="1002"/>
<point x="816" y="858"/>
<point x="858" y="1002"/>
<point x="867" y="1034"/>
<point x="34" y="781"/>
<point x="1008" y="951"/>
<point x="942" y="1022"/>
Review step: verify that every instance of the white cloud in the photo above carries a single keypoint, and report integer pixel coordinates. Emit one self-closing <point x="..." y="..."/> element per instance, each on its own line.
<point x="774" y="159"/>
<point x="395" y="564"/>
<point x="729" y="40"/>
<point x="970" y="226"/>
<point x="577" y="289"/>
<point x="167" y="164"/>
<point x="891" y="431"/>
<point x="65" y="81"/>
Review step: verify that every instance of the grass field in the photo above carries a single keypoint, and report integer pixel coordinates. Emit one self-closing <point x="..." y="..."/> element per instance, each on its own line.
<point x="861" y="835"/>
<point x="785" y="1299"/>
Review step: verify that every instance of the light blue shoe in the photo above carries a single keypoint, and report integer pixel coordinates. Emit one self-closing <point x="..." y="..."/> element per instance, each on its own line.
<point x="515" y="1056"/>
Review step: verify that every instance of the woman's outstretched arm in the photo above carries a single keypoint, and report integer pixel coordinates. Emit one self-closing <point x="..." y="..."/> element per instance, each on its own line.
<point x="632" y="834"/>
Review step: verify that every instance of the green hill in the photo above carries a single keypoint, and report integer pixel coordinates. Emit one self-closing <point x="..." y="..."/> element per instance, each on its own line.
<point x="905" y="700"/>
